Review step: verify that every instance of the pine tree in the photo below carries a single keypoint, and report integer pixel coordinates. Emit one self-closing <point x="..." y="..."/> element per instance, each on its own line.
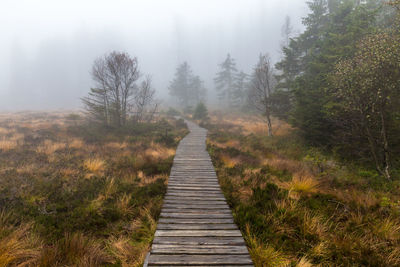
<point x="224" y="81"/>
<point x="197" y="91"/>
<point x="186" y="87"/>
<point x="240" y="87"/>
<point x="179" y="86"/>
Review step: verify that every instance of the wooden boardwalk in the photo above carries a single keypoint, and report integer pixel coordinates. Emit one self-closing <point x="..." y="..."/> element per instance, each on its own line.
<point x="196" y="226"/>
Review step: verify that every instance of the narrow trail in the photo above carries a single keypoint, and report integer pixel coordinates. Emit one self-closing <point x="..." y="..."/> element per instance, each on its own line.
<point x="196" y="226"/>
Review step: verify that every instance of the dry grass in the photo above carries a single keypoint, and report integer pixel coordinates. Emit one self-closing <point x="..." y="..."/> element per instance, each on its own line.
<point x="264" y="255"/>
<point x="387" y="229"/>
<point x="116" y="145"/>
<point x="304" y="262"/>
<point x="123" y="249"/>
<point x="7" y="144"/>
<point x="157" y="151"/>
<point x="300" y="184"/>
<point x="313" y="224"/>
<point x="228" y="161"/>
<point x="17" y="246"/>
<point x="49" y="147"/>
<point x="76" y="143"/>
<point x="293" y="166"/>
<point x="76" y="250"/>
<point x="366" y="199"/>
<point x="94" y="165"/>
<point x="123" y="205"/>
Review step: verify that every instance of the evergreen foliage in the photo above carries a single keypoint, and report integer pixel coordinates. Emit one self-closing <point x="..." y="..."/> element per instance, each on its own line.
<point x="345" y="56"/>
<point x="200" y="112"/>
<point x="187" y="88"/>
<point x="225" y="81"/>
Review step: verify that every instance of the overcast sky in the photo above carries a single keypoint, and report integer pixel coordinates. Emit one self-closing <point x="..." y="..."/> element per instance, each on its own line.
<point x="47" y="46"/>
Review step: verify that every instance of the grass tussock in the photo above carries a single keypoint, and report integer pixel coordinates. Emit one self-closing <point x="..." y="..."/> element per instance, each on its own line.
<point x="7" y="144"/>
<point x="94" y="165"/>
<point x="18" y="247"/>
<point x="49" y="147"/>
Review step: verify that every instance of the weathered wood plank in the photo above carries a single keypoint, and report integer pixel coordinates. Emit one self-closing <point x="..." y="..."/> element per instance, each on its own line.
<point x="198" y="250"/>
<point x="213" y="233"/>
<point x="195" y="206"/>
<point x="200" y="240"/>
<point x="197" y="211"/>
<point x="195" y="215"/>
<point x="192" y="226"/>
<point x="196" y="220"/>
<point x="233" y="260"/>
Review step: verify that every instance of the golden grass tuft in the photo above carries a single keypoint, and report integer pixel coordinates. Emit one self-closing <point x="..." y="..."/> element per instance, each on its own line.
<point x="388" y="229"/>
<point x="17" y="246"/>
<point x="264" y="255"/>
<point x="228" y="161"/>
<point x="116" y="145"/>
<point x="304" y="262"/>
<point x="157" y="151"/>
<point x="76" y="143"/>
<point x="48" y="147"/>
<point x="7" y="144"/>
<point x="94" y="165"/>
<point x="123" y="204"/>
<point x="313" y="224"/>
<point x="301" y="184"/>
<point x="76" y="250"/>
<point x="126" y="252"/>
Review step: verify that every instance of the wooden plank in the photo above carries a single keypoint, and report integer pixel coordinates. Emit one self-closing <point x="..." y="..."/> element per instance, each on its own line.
<point x="234" y="260"/>
<point x="197" y="211"/>
<point x="213" y="233"/>
<point x="198" y="250"/>
<point x="193" y="226"/>
<point x="195" y="215"/>
<point x="196" y="220"/>
<point x="199" y="240"/>
<point x="195" y="206"/>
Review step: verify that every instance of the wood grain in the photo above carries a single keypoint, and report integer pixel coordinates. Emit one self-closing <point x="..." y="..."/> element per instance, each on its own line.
<point x="196" y="226"/>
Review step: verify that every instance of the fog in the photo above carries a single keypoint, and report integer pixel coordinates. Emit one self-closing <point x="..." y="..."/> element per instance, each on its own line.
<point x="47" y="47"/>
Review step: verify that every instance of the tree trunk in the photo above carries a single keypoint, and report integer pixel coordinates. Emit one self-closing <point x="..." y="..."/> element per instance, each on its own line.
<point x="268" y="116"/>
<point x="385" y="144"/>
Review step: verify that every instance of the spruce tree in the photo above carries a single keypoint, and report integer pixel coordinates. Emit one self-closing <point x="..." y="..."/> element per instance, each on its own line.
<point x="179" y="86"/>
<point x="224" y="81"/>
<point x="186" y="87"/>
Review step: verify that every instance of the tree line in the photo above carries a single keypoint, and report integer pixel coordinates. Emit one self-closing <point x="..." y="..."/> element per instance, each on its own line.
<point x="337" y="83"/>
<point x="341" y="79"/>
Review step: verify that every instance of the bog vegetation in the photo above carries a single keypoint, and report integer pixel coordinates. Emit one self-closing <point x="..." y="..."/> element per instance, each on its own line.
<point x="77" y="194"/>
<point x="298" y="206"/>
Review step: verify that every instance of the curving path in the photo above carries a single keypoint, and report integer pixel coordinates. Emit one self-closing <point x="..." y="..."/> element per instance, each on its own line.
<point x="196" y="226"/>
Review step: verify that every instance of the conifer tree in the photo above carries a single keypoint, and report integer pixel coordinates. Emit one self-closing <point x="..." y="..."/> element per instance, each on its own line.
<point x="224" y="81"/>
<point x="186" y="87"/>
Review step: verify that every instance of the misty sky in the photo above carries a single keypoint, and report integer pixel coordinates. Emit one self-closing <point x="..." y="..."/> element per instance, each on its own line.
<point x="47" y="46"/>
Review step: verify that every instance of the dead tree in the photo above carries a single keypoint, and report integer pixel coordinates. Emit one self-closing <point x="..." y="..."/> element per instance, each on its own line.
<point x="115" y="76"/>
<point x="261" y="88"/>
<point x="144" y="104"/>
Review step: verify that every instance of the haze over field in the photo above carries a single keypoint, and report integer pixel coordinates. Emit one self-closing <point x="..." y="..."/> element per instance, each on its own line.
<point x="47" y="47"/>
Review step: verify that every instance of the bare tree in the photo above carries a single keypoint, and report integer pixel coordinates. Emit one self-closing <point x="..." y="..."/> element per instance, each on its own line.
<point x="115" y="75"/>
<point x="261" y="87"/>
<point x="144" y="104"/>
